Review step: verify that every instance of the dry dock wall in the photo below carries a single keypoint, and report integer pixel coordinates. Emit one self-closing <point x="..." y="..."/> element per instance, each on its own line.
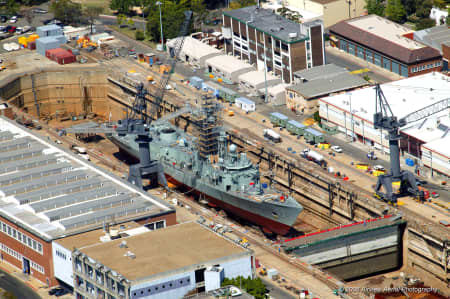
<point x="357" y="254"/>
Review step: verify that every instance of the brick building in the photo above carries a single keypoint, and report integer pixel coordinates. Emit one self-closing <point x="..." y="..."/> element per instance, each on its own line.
<point x="250" y="32"/>
<point x="385" y="44"/>
<point x="47" y="193"/>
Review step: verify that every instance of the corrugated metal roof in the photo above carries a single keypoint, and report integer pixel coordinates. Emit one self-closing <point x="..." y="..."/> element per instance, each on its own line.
<point x="321" y="87"/>
<point x="279" y="115"/>
<point x="313" y="132"/>
<point x="69" y="189"/>
<point x="296" y="123"/>
<point x="245" y="100"/>
<point x="320" y="72"/>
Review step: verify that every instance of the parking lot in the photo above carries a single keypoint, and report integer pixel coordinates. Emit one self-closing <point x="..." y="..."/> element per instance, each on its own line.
<point x="36" y="19"/>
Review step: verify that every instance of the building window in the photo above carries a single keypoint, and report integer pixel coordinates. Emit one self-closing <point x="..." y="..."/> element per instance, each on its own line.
<point x="237" y="44"/>
<point x="277" y="63"/>
<point x="284" y="47"/>
<point x="244" y="48"/>
<point x="308" y="45"/>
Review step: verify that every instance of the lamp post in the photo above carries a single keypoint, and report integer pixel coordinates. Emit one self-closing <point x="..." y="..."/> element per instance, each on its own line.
<point x="160" y="21"/>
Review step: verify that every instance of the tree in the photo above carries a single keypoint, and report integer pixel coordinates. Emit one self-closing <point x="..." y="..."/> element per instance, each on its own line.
<point x="289" y="14"/>
<point x="448" y="16"/>
<point x="66" y="11"/>
<point x="172" y="12"/>
<point x="424" y="8"/>
<point x="122" y="6"/>
<point x="235" y="4"/>
<point x="425" y="23"/>
<point x="410" y="6"/>
<point x="92" y="12"/>
<point x="130" y="22"/>
<point x="375" y="7"/>
<point x="254" y="287"/>
<point x="11" y="7"/>
<point x="395" y="11"/>
<point x="139" y="35"/>
<point x="121" y="19"/>
<point x="440" y="4"/>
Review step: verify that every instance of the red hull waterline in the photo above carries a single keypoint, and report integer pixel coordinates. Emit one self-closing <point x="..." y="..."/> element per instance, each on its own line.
<point x="268" y="225"/>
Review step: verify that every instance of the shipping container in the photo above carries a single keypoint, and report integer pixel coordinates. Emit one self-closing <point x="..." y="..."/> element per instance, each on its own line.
<point x="278" y="119"/>
<point x="296" y="128"/>
<point x="61" y="56"/>
<point x="49" y="30"/>
<point x="47" y="43"/>
<point x="313" y="136"/>
<point x="245" y="104"/>
<point x="196" y="82"/>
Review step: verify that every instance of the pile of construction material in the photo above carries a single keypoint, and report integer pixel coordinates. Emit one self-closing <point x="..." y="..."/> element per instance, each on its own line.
<point x="11" y="47"/>
<point x="28" y="41"/>
<point x="61" y="56"/>
<point x="50" y="37"/>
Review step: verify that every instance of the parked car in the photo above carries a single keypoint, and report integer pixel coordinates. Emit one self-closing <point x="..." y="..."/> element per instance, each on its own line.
<point x="12" y="29"/>
<point x="61" y="292"/>
<point x="39" y="10"/>
<point x="55" y="290"/>
<point x="336" y="148"/>
<point x="3" y="19"/>
<point x="6" y="29"/>
<point x="13" y="19"/>
<point x="434" y="194"/>
<point x="372" y="156"/>
<point x="379" y="168"/>
<point x="24" y="29"/>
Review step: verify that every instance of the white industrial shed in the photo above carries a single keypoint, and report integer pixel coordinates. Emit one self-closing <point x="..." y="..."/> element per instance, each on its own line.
<point x="253" y="81"/>
<point x="276" y="94"/>
<point x="353" y="112"/>
<point x="227" y="67"/>
<point x="436" y="155"/>
<point x="194" y="51"/>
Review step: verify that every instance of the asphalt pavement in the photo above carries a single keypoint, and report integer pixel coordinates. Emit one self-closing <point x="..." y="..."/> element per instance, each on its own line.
<point x="12" y="285"/>
<point x="343" y="61"/>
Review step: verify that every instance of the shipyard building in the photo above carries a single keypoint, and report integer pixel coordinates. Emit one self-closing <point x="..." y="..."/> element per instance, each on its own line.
<point x="251" y="31"/>
<point x="47" y="193"/>
<point x="168" y="263"/>
<point x="428" y="139"/>
<point x="385" y="44"/>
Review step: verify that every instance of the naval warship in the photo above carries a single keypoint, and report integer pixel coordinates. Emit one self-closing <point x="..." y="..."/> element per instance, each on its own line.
<point x="230" y="182"/>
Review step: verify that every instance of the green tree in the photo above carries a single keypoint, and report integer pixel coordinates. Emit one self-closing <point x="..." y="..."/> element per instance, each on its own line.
<point x="395" y="11"/>
<point x="424" y="8"/>
<point x="410" y="6"/>
<point x="130" y="22"/>
<point x="92" y="12"/>
<point x="235" y="4"/>
<point x="375" y="7"/>
<point x="425" y="23"/>
<point x="66" y="11"/>
<point x="448" y="17"/>
<point x="121" y="19"/>
<point x="139" y="35"/>
<point x="10" y="7"/>
<point x="172" y="12"/>
<point x="254" y="287"/>
<point x="122" y="6"/>
<point x="440" y="4"/>
<point x="289" y="14"/>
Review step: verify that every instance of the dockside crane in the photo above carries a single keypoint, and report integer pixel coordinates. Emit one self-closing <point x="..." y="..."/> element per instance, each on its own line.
<point x="385" y="119"/>
<point x="138" y="121"/>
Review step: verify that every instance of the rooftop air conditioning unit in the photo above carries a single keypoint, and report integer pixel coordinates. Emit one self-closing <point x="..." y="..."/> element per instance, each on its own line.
<point x="293" y="35"/>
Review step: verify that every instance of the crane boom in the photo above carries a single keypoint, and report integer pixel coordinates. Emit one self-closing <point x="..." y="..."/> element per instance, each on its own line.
<point x="159" y="95"/>
<point x="425" y="112"/>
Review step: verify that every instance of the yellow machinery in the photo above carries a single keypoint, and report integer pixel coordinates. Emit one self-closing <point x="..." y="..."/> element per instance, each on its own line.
<point x="324" y="145"/>
<point x="150" y="78"/>
<point x="85" y="42"/>
<point x="164" y="69"/>
<point x="362" y="166"/>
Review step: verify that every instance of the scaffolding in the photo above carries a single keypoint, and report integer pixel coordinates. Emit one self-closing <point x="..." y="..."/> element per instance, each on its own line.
<point x="209" y="124"/>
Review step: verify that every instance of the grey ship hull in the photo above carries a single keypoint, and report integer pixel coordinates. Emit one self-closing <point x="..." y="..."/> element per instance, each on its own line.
<point x="271" y="216"/>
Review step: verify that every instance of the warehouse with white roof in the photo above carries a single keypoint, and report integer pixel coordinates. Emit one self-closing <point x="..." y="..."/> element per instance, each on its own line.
<point x="276" y="94"/>
<point x="228" y="68"/>
<point x="47" y="193"/>
<point x="255" y="80"/>
<point x="353" y="113"/>
<point x="194" y="51"/>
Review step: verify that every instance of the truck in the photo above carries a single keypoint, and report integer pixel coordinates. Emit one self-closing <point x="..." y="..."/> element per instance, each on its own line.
<point x="271" y="135"/>
<point x="314" y="156"/>
<point x="81" y="151"/>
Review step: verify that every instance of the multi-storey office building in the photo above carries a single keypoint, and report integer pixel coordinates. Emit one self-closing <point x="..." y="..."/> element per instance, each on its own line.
<point x="262" y="37"/>
<point x="167" y="263"/>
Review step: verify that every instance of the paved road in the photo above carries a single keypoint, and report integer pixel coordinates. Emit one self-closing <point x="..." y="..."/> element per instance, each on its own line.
<point x="16" y="287"/>
<point x="276" y="292"/>
<point x="343" y="61"/>
<point x="112" y="20"/>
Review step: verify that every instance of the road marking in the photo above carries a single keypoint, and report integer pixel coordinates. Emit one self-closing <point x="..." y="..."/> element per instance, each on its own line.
<point x="360" y="71"/>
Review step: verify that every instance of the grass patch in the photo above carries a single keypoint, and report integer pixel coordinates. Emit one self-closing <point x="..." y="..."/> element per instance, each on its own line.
<point x="100" y="3"/>
<point x="131" y="34"/>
